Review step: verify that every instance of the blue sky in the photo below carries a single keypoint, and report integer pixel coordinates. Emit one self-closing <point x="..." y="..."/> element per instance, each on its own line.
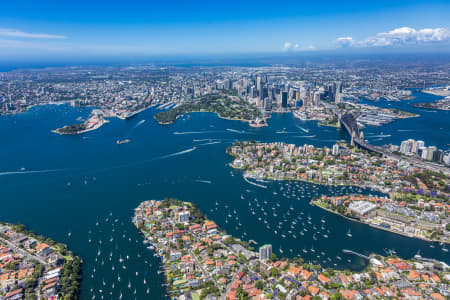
<point x="31" y="28"/>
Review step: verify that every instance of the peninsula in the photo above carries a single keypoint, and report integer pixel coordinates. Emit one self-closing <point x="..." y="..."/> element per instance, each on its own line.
<point x="226" y="107"/>
<point x="411" y="193"/>
<point x="95" y="121"/>
<point x="35" y="267"/>
<point x="200" y="260"/>
<point x="443" y="104"/>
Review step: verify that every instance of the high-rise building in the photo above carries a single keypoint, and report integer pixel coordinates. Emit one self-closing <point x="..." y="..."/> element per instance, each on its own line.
<point x="264" y="93"/>
<point x="265" y="251"/>
<point x="267" y="104"/>
<point x="316" y="100"/>
<point x="284" y="99"/>
<point x="424" y="153"/>
<point x="438" y="156"/>
<point x="418" y="145"/>
<point x="335" y="149"/>
<point x="405" y="147"/>
<point x="430" y="152"/>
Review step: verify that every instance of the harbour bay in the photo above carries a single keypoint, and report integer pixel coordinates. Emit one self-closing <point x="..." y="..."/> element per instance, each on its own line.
<point x="71" y="183"/>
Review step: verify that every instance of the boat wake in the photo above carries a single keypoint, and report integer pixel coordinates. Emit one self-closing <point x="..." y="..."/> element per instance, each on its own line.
<point x="139" y="123"/>
<point x="176" y="154"/>
<point x="305" y="136"/>
<point x="380" y="136"/>
<point x="27" y="172"/>
<point x="204" y="140"/>
<point x="191" y="132"/>
<point x="284" y="132"/>
<point x="210" y="143"/>
<point x="255" y="184"/>
<point x="203" y="181"/>
<point x="305" y="130"/>
<point x="238" y="131"/>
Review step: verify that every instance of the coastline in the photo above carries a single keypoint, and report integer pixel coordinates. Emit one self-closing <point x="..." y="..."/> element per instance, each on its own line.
<point x="46" y="268"/>
<point x="199" y="111"/>
<point x="96" y="126"/>
<point x="193" y="249"/>
<point x="251" y="175"/>
<point x="314" y="203"/>
<point x="439" y="92"/>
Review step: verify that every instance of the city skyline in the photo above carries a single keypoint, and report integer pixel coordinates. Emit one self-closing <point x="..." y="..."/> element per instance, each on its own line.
<point x="53" y="30"/>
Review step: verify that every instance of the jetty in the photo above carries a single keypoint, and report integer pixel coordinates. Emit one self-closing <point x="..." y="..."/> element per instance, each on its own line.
<point x="346" y="251"/>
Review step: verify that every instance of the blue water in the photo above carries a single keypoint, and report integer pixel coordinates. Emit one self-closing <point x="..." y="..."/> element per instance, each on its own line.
<point x="432" y="127"/>
<point x="88" y="179"/>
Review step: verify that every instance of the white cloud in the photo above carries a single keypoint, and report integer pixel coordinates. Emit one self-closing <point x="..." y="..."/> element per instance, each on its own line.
<point x="288" y="46"/>
<point x="21" y="34"/>
<point x="346" y="41"/>
<point x="399" y="37"/>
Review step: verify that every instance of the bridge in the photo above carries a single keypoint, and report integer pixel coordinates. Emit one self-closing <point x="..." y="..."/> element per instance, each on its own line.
<point x="348" y="122"/>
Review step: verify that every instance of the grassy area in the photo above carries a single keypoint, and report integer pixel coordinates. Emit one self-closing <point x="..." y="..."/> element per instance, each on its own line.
<point x="215" y="103"/>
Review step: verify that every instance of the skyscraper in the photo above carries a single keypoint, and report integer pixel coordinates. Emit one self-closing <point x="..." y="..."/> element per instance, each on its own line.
<point x="284" y="99"/>
<point x="265" y="251"/>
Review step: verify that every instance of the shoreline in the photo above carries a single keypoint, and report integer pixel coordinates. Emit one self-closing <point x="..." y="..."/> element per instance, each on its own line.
<point x="246" y="174"/>
<point x="188" y="242"/>
<point x="314" y="203"/>
<point x="95" y="127"/>
<point x="437" y="92"/>
<point x="216" y="113"/>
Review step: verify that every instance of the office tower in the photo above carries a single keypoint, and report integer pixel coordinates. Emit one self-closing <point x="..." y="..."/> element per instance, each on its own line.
<point x="284" y="99"/>
<point x="267" y="104"/>
<point x="253" y="92"/>
<point x="337" y="98"/>
<point x="264" y="93"/>
<point x="316" y="100"/>
<point x="330" y="92"/>
<point x="265" y="251"/>
<point x="338" y="87"/>
<point x="258" y="83"/>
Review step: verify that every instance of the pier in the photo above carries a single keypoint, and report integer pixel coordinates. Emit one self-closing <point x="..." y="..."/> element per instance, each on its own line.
<point x="346" y="251"/>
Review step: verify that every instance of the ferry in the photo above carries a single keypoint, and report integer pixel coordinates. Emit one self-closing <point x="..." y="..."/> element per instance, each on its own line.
<point x="120" y="142"/>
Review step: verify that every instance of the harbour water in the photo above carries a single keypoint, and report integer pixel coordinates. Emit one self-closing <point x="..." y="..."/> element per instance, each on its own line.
<point x="88" y="185"/>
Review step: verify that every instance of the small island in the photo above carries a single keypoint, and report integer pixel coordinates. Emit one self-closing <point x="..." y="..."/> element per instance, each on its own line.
<point x="201" y="261"/>
<point x="35" y="267"/>
<point x="226" y="107"/>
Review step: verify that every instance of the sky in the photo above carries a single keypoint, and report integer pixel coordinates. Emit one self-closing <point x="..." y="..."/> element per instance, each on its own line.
<point x="31" y="29"/>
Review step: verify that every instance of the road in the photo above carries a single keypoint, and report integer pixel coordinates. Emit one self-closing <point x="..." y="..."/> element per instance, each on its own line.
<point x="23" y="252"/>
<point x="224" y="295"/>
<point x="201" y="267"/>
